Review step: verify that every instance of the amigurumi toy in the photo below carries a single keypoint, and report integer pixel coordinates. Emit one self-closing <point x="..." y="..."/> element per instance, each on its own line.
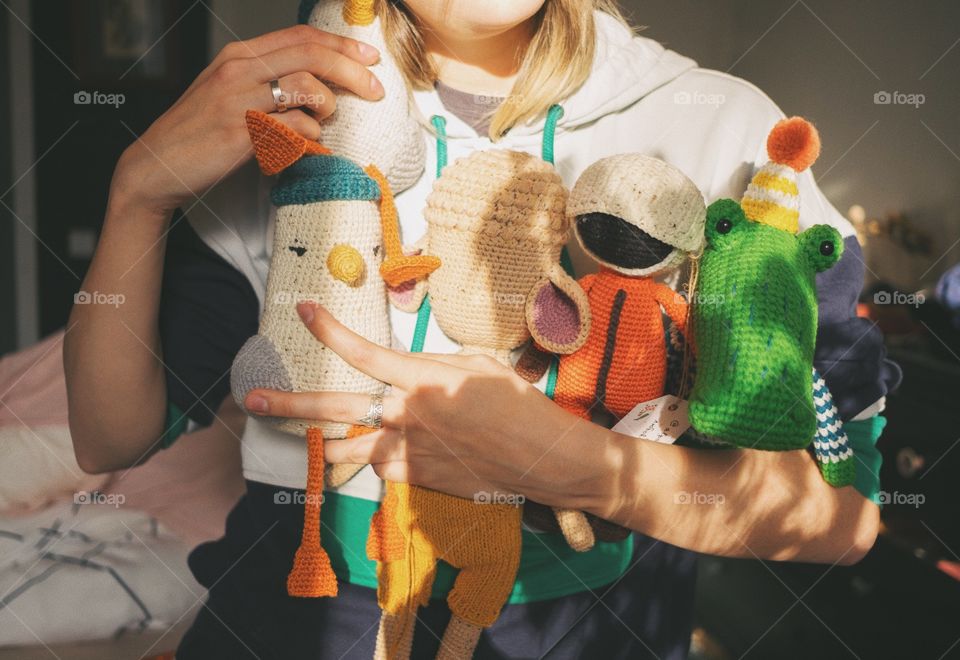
<point x="755" y="320"/>
<point x="336" y="241"/>
<point x="496" y="221"/>
<point x="639" y="218"/>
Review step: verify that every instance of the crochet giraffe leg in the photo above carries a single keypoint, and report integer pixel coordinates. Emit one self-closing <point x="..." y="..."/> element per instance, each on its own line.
<point x="395" y="637"/>
<point x="573" y="397"/>
<point x="576" y="529"/>
<point x="459" y="640"/>
<point x="312" y="575"/>
<point x="406" y="569"/>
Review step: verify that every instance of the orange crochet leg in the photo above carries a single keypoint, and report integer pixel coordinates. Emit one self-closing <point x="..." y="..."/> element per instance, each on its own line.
<point x="312" y="575"/>
<point x="385" y="542"/>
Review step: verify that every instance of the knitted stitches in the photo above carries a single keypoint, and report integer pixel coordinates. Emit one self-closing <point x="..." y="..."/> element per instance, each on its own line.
<point x="830" y="445"/>
<point x="382" y="133"/>
<point x="312" y="575"/>
<point x="772" y="197"/>
<point x="755" y="325"/>
<point x="635" y="215"/>
<point x="496" y="220"/>
<point x="641" y="191"/>
<point x="323" y="179"/>
<point x="336" y="227"/>
<point x="627" y="331"/>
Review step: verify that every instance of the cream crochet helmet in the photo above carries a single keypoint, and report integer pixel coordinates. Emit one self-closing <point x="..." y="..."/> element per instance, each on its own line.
<point x="645" y="193"/>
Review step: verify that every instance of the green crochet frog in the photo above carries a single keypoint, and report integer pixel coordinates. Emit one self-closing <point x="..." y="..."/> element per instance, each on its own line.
<point x="754" y="325"/>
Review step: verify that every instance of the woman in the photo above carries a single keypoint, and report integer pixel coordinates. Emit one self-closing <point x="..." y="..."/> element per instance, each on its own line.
<point x="137" y="372"/>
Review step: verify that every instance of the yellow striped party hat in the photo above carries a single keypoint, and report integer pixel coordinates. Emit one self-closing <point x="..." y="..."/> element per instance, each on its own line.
<point x="772" y="198"/>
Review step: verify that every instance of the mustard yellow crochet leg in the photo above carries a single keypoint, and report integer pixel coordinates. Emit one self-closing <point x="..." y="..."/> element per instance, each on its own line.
<point x="483" y="541"/>
<point x="459" y="640"/>
<point x="312" y="575"/>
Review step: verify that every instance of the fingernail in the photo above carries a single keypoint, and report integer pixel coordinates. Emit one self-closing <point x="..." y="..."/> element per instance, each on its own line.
<point x="375" y="86"/>
<point x="368" y="51"/>
<point x="306" y="311"/>
<point x="257" y="403"/>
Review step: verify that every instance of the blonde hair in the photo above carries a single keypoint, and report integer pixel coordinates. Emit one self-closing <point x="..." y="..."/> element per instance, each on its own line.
<point x="556" y="62"/>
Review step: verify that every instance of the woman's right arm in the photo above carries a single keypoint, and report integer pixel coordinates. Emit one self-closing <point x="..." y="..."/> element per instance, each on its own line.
<point x="112" y="353"/>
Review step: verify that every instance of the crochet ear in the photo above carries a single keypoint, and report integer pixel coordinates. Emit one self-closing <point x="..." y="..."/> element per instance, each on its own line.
<point x="558" y="313"/>
<point x="277" y="146"/>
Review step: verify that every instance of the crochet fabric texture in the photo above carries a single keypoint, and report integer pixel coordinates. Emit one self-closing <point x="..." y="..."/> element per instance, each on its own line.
<point x="496" y="220"/>
<point x="336" y="242"/>
<point x="754" y="325"/>
<point x="755" y="317"/>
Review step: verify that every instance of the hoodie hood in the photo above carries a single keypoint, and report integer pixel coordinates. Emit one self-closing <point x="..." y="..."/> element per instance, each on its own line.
<point x="625" y="69"/>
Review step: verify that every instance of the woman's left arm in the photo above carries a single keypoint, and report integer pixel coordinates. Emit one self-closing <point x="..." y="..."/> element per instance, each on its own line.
<point x="468" y="426"/>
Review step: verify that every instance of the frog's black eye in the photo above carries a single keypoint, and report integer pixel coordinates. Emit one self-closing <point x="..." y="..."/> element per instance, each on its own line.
<point x="376" y="250"/>
<point x="724" y="226"/>
<point x="299" y="249"/>
<point x="827" y="248"/>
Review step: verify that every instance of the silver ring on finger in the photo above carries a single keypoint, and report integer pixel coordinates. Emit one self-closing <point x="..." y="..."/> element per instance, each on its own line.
<point x="374" y="416"/>
<point x="279" y="98"/>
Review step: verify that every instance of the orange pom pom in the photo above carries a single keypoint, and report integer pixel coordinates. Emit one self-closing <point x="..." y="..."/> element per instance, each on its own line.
<point x="794" y="142"/>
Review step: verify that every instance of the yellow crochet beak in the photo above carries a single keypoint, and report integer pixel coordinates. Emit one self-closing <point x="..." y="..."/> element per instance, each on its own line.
<point x="345" y="264"/>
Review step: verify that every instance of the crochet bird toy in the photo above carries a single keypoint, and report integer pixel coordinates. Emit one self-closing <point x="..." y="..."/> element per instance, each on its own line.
<point x="638" y="218"/>
<point x="755" y="320"/>
<point x="336" y="242"/>
<point x="496" y="221"/>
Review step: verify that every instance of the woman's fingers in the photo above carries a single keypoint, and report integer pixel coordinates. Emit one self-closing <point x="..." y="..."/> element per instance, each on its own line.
<point x="259" y="46"/>
<point x="318" y="60"/>
<point x="299" y="34"/>
<point x="480" y="363"/>
<point x="386" y="444"/>
<point x="402" y="370"/>
<point x="300" y="90"/>
<point x="301" y="122"/>
<point x="344" y="407"/>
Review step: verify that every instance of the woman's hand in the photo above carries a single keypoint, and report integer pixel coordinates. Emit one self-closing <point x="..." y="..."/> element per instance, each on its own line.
<point x="465" y="425"/>
<point x="470" y="427"/>
<point x="202" y="138"/>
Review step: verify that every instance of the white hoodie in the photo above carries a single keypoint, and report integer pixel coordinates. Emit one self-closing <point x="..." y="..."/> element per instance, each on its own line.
<point x="639" y="97"/>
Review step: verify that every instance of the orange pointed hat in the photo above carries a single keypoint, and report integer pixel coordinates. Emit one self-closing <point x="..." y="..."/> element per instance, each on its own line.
<point x="772" y="197"/>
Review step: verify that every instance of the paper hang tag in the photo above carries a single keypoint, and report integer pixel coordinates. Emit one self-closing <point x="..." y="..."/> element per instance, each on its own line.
<point x="659" y="420"/>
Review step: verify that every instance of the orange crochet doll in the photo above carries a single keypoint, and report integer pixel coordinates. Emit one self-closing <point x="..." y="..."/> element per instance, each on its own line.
<point x="638" y="217"/>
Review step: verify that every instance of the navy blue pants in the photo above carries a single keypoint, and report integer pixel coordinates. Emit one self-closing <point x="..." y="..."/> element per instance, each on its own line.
<point x="647" y="613"/>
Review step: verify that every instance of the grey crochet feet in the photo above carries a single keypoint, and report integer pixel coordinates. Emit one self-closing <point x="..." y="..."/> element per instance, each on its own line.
<point x="257" y="365"/>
